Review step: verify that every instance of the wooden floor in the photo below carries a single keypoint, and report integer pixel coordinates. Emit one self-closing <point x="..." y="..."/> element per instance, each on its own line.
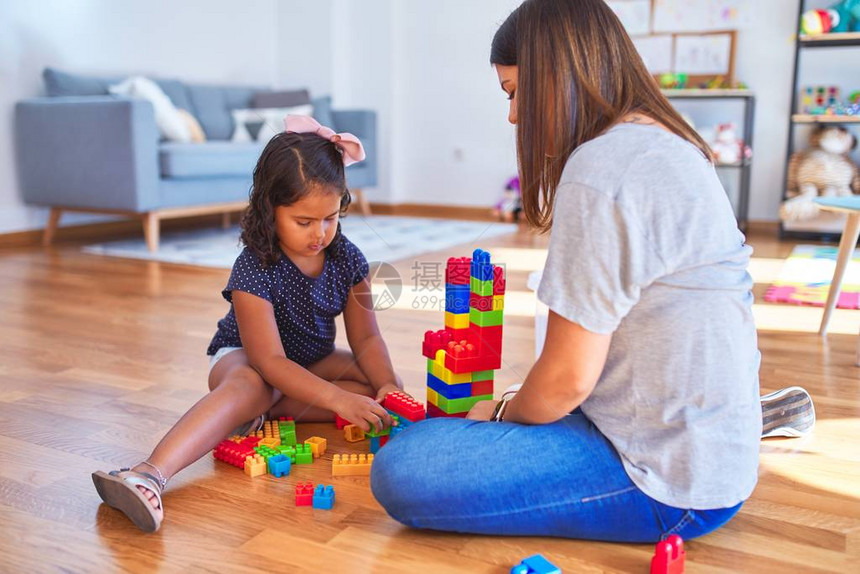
<point x="100" y="357"/>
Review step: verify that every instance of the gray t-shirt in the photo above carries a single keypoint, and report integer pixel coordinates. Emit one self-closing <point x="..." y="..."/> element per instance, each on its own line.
<point x="644" y="245"/>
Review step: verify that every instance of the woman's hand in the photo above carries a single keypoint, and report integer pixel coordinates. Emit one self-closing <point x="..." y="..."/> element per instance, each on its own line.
<point x="385" y="389"/>
<point x="482" y="411"/>
<point x="362" y="411"/>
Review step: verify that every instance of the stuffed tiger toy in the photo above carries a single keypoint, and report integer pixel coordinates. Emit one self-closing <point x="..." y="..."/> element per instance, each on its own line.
<point x="824" y="169"/>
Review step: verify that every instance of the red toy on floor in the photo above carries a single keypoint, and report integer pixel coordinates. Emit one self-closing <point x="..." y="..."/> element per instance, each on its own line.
<point x="668" y="556"/>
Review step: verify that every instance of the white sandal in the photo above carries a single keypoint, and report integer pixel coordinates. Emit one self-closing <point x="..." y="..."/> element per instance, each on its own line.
<point x="121" y="492"/>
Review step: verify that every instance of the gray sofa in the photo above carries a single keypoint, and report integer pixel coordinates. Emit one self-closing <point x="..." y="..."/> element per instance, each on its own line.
<point x="80" y="149"/>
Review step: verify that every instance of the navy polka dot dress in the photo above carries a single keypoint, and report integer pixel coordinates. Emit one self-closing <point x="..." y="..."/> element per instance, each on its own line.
<point x="305" y="307"/>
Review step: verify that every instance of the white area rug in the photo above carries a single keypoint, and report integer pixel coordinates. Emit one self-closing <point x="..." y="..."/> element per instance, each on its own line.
<point x="380" y="238"/>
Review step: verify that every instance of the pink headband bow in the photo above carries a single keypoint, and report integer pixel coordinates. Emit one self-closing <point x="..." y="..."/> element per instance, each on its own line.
<point x="353" y="151"/>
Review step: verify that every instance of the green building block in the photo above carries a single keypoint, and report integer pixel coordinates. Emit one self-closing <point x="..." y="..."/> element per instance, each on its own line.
<point x="482" y="288"/>
<point x="372" y="433"/>
<point x="304" y="454"/>
<point x="287" y="450"/>
<point x="452" y="406"/>
<point x="485" y="318"/>
<point x="479" y="376"/>
<point x="288" y="437"/>
<point x="265" y="451"/>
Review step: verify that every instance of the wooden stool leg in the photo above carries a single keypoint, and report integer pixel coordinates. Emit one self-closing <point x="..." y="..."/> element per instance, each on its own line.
<point x="51" y="227"/>
<point x="846" y="249"/>
<point x="363" y="204"/>
<point x="151" y="228"/>
<point x="225" y="220"/>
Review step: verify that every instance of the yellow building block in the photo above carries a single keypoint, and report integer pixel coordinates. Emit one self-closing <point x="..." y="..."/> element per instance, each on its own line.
<point x="498" y="303"/>
<point x="351" y="464"/>
<point x="318" y="445"/>
<point x="270" y="442"/>
<point x="457" y="320"/>
<point x="255" y="466"/>
<point x="432" y="397"/>
<point x="352" y="433"/>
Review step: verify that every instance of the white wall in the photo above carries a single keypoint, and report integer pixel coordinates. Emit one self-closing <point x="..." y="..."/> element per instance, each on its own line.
<point x="422" y="66"/>
<point x="428" y="77"/>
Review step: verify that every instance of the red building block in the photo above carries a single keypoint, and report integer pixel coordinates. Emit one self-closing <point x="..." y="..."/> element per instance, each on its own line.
<point x="232" y="453"/>
<point x="250" y="441"/>
<point x="340" y="422"/>
<point x="458" y="271"/>
<point x="481" y="302"/>
<point x="305" y="494"/>
<point x="498" y="281"/>
<point x="435" y="412"/>
<point x="487" y="339"/>
<point x="404" y="405"/>
<point x="669" y="556"/>
<point x="482" y="388"/>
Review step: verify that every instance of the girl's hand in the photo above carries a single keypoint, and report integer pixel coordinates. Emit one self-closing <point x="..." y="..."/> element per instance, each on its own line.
<point x="362" y="411"/>
<point x="482" y="411"/>
<point x="385" y="389"/>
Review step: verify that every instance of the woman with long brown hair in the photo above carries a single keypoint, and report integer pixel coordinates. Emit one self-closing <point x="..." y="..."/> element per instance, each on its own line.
<point x="641" y="417"/>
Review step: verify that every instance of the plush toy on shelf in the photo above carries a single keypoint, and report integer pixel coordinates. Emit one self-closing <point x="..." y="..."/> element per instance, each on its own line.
<point x="509" y="207"/>
<point x="728" y="148"/>
<point x="844" y="16"/>
<point x="825" y="169"/>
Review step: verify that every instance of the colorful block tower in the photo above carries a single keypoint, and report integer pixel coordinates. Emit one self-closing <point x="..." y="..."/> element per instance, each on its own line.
<point x="461" y="357"/>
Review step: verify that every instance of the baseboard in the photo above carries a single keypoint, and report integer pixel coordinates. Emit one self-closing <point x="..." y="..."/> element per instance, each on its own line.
<point x="763" y="228"/>
<point x="94" y="232"/>
<point x="473" y="213"/>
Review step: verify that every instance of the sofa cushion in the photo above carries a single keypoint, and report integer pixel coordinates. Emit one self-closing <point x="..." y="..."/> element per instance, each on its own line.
<point x="210" y="159"/>
<point x="213" y="104"/>
<point x="322" y="112"/>
<point x="287" y="99"/>
<point x="58" y="83"/>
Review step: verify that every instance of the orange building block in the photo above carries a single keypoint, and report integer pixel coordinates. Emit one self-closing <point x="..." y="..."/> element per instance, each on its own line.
<point x="270" y="442"/>
<point x="351" y="464"/>
<point x="318" y="445"/>
<point x="255" y="466"/>
<point x="352" y="433"/>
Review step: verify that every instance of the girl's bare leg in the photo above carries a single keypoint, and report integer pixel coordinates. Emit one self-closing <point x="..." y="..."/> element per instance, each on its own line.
<point x="237" y="394"/>
<point x="339" y="368"/>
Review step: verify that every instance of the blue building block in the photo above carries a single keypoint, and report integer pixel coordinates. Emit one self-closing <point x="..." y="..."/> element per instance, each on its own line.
<point x="456" y="391"/>
<point x="536" y="564"/>
<point x="374" y="444"/>
<point x="456" y="298"/>
<point x="481" y="267"/>
<point x="279" y="465"/>
<point x="324" y="497"/>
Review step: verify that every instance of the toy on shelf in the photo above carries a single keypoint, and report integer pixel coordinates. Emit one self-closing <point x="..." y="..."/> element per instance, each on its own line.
<point x="669" y="556"/>
<point x="824" y="169"/>
<point x="723" y="140"/>
<point x="351" y="464"/>
<point x="844" y="16"/>
<point x="671" y="81"/>
<point x="818" y="98"/>
<point x="511" y="205"/>
<point x="304" y="494"/>
<point x="461" y="357"/>
<point x="536" y="564"/>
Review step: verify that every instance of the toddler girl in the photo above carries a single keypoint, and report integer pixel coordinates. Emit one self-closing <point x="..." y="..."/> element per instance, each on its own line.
<point x="274" y="354"/>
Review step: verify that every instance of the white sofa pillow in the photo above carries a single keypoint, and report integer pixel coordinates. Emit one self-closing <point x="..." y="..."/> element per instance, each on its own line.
<point x="170" y="122"/>
<point x="262" y="124"/>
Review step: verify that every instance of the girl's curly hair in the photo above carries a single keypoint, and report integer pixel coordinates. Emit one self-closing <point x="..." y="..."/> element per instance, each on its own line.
<point x="289" y="168"/>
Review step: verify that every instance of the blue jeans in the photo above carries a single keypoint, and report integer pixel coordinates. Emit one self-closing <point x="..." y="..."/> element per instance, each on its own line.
<point x="562" y="479"/>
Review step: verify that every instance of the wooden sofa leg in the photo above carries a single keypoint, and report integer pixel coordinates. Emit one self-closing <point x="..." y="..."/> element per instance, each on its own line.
<point x="51" y="227"/>
<point x="225" y="220"/>
<point x="363" y="204"/>
<point x="151" y="226"/>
